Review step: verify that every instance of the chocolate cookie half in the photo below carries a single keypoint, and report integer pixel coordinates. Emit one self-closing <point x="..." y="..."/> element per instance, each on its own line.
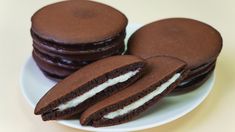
<point x="89" y="85"/>
<point x="196" y="43"/>
<point x="162" y="76"/>
<point x="71" y="34"/>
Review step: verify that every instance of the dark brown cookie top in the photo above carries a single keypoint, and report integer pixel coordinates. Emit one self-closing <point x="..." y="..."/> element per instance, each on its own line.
<point x="84" y="76"/>
<point x="159" y="70"/>
<point x="78" y="21"/>
<point x="192" y="41"/>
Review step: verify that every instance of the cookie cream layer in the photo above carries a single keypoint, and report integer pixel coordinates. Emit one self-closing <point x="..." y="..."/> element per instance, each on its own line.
<point x="142" y="100"/>
<point x="110" y="82"/>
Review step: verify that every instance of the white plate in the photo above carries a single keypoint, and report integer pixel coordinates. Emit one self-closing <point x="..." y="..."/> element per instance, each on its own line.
<point x="34" y="85"/>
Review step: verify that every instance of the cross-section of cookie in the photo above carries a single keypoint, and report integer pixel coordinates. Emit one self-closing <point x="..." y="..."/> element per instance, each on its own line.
<point x="89" y="85"/>
<point x="163" y="74"/>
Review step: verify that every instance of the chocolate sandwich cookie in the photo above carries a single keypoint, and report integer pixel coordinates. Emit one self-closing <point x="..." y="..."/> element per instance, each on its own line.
<point x="71" y="34"/>
<point x="162" y="75"/>
<point x="89" y="85"/>
<point x="196" y="43"/>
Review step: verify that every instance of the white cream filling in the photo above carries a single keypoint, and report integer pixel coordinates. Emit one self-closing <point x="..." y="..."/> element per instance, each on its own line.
<point x="185" y="82"/>
<point x="110" y="82"/>
<point x="142" y="100"/>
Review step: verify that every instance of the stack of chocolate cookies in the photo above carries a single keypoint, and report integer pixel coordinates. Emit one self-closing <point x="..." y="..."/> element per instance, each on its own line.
<point x="69" y="35"/>
<point x="176" y="54"/>
<point x="196" y="43"/>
